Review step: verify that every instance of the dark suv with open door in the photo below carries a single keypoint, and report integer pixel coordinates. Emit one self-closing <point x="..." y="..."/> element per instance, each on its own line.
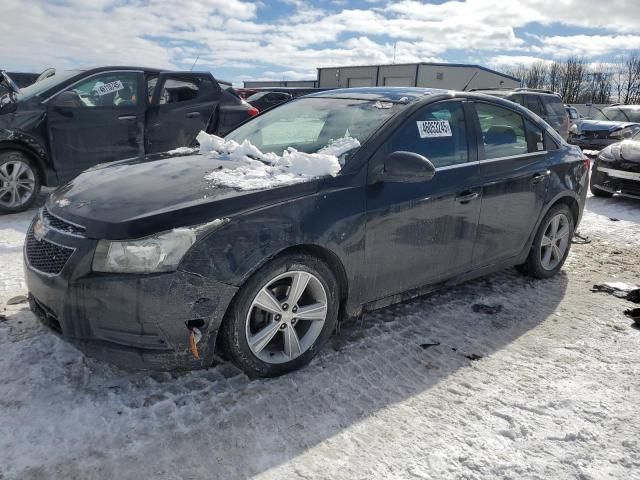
<point x="58" y="127"/>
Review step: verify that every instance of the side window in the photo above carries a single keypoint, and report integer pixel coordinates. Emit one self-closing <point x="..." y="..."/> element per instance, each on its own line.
<point x="151" y="86"/>
<point x="554" y="105"/>
<point x="177" y="90"/>
<point x="107" y="90"/>
<point x="503" y="131"/>
<point x="437" y="132"/>
<point x="535" y="105"/>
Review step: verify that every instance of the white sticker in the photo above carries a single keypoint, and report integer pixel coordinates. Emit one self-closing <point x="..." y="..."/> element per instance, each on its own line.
<point x="109" y="87"/>
<point x="434" y="128"/>
<point x="540" y="146"/>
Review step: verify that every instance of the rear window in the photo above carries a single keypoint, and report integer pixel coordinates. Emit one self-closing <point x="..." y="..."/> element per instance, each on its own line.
<point x="554" y="105"/>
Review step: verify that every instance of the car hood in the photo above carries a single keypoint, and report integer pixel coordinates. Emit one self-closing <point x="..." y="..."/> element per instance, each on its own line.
<point x="602" y="125"/>
<point x="626" y="151"/>
<point x="139" y="197"/>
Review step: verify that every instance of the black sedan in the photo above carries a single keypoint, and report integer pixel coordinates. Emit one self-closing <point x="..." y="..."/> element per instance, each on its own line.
<point x="236" y="251"/>
<point x="616" y="170"/>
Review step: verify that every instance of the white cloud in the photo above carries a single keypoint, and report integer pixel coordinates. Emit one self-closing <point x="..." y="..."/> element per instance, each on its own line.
<point x="230" y="34"/>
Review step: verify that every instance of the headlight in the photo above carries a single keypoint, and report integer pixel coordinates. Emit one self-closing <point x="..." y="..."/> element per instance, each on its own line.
<point x="161" y="252"/>
<point x="626" y="132"/>
<point x="606" y="155"/>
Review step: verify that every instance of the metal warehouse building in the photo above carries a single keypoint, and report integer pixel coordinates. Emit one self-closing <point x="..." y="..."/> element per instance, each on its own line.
<point x="280" y="84"/>
<point x="450" y="76"/>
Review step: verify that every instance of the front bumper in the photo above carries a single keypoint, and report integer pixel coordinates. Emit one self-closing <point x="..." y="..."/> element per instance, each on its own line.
<point x="613" y="180"/>
<point x="134" y="321"/>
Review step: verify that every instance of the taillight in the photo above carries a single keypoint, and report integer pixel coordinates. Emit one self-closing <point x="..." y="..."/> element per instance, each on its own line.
<point x="587" y="163"/>
<point x="253" y="111"/>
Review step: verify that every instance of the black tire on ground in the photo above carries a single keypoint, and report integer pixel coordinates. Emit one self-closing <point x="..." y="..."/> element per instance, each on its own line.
<point x="233" y="338"/>
<point x="597" y="178"/>
<point x="533" y="265"/>
<point x="11" y="157"/>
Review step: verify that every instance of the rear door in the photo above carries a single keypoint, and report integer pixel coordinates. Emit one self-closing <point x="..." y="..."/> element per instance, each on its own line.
<point x="97" y="119"/>
<point x="422" y="233"/>
<point x="514" y="170"/>
<point x="182" y="104"/>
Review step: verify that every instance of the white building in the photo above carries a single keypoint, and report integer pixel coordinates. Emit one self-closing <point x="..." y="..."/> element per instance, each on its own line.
<point x="449" y="76"/>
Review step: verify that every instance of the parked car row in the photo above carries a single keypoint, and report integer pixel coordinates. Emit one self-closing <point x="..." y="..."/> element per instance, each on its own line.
<point x="55" y="128"/>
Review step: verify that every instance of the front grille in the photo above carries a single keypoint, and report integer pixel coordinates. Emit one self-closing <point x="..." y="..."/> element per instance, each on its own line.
<point x="61" y="225"/>
<point x="45" y="256"/>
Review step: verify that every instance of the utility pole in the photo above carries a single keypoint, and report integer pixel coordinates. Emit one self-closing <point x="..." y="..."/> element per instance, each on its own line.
<point x="394" y="52"/>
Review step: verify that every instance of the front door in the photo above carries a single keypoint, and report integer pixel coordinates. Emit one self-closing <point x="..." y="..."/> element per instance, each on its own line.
<point x="424" y="232"/>
<point x="99" y="119"/>
<point x="514" y="169"/>
<point x="182" y="105"/>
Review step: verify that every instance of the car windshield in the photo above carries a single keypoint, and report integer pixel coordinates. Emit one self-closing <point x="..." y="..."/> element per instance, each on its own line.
<point x="44" y="85"/>
<point x="632" y="114"/>
<point x="599" y="115"/>
<point x="311" y="123"/>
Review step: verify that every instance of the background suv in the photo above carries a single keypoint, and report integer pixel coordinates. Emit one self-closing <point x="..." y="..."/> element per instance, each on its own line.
<point x="546" y="104"/>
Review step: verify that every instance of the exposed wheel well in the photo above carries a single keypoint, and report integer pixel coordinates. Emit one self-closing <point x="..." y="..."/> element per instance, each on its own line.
<point x="33" y="156"/>
<point x="573" y="206"/>
<point x="327" y="256"/>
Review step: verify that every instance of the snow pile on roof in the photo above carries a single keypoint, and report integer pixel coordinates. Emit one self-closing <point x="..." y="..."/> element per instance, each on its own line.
<point x="245" y="167"/>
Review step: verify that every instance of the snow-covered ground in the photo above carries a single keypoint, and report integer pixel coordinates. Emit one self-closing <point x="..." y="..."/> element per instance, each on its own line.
<point x="546" y="388"/>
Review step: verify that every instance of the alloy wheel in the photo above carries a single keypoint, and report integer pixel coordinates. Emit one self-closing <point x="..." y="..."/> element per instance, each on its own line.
<point x="286" y="317"/>
<point x="555" y="241"/>
<point x="17" y="183"/>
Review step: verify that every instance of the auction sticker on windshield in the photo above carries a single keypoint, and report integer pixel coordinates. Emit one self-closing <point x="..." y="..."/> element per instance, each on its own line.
<point x="434" y="128"/>
<point x="109" y="87"/>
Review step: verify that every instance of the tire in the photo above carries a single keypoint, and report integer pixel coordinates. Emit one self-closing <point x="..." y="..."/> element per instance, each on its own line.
<point x="17" y="194"/>
<point x="293" y="345"/>
<point x="595" y="190"/>
<point x="535" y="265"/>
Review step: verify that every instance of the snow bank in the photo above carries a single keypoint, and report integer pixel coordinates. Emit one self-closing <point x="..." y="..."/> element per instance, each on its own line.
<point x="245" y="167"/>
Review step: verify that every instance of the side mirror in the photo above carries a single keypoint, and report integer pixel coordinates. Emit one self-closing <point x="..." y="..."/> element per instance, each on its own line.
<point x="68" y="99"/>
<point x="405" y="167"/>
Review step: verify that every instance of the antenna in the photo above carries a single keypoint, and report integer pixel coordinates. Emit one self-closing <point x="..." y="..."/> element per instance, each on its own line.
<point x="464" y="89"/>
<point x="194" y="62"/>
<point x="394" y="52"/>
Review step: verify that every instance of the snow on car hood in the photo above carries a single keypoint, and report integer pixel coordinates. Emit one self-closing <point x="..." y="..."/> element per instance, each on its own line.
<point x="628" y="150"/>
<point x="243" y="166"/>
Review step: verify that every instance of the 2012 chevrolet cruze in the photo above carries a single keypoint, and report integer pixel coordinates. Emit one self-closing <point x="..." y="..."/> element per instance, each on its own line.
<point x="146" y="263"/>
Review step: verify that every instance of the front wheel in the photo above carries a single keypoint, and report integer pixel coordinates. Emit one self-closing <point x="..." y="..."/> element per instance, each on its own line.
<point x="551" y="244"/>
<point x="282" y="316"/>
<point x="19" y="182"/>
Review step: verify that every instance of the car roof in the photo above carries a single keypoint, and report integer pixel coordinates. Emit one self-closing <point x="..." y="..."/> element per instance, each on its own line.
<point x="385" y="94"/>
<point x="503" y="92"/>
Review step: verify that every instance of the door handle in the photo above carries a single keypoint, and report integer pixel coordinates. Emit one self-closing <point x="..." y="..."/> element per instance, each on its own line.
<point x="467" y="196"/>
<point x="539" y="177"/>
<point x="127" y="117"/>
<point x="193" y="114"/>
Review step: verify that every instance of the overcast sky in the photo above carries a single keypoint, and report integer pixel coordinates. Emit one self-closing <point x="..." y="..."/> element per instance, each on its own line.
<point x="287" y="39"/>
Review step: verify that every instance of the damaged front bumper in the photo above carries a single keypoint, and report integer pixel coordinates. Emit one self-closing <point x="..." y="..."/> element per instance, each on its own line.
<point x="134" y="321"/>
<point x="612" y="180"/>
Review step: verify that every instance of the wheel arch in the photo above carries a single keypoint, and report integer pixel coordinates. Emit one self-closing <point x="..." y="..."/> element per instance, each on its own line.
<point x="31" y="153"/>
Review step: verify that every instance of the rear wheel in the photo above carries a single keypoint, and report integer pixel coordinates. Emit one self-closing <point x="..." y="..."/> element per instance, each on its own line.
<point x="551" y="244"/>
<point x="282" y="316"/>
<point x="19" y="182"/>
